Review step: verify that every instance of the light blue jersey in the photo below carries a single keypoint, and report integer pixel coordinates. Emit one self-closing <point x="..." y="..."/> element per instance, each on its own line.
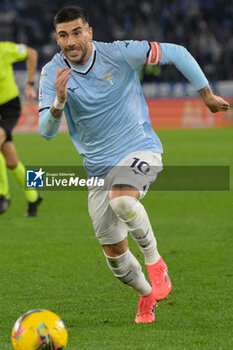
<point x="106" y="112"/>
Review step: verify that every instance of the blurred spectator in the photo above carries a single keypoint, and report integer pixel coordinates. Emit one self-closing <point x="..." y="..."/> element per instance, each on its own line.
<point x="204" y="27"/>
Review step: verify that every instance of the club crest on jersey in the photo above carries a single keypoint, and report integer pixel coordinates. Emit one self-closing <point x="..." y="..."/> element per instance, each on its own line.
<point x="108" y="77"/>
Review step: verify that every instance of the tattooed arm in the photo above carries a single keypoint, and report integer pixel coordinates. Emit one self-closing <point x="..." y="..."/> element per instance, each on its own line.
<point x="61" y="80"/>
<point x="188" y="66"/>
<point x="213" y="102"/>
<point x="56" y="113"/>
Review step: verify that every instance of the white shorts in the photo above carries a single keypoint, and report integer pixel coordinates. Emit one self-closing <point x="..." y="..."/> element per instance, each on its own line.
<point x="138" y="169"/>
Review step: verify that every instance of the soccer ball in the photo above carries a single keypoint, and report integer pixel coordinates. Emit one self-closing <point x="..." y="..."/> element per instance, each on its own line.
<point x="39" y="330"/>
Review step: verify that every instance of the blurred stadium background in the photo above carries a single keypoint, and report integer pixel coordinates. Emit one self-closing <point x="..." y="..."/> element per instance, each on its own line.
<point x="205" y="28"/>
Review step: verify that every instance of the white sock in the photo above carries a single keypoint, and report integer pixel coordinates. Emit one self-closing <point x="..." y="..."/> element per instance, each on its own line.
<point x="128" y="270"/>
<point x="133" y="213"/>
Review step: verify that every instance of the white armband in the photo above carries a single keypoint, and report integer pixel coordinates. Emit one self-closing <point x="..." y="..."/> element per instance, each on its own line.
<point x="59" y="105"/>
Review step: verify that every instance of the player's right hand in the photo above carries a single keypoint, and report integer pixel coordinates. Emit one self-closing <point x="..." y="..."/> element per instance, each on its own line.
<point x="61" y="81"/>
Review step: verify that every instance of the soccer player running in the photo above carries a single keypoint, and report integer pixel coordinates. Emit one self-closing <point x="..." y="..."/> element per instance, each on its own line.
<point x="97" y="86"/>
<point x="10" y="109"/>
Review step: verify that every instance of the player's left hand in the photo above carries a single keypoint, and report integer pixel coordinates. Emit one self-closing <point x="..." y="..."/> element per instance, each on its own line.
<point x="217" y="104"/>
<point x="30" y="93"/>
<point x="213" y="102"/>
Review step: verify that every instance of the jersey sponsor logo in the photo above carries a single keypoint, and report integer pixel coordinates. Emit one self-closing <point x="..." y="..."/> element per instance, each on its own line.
<point x="126" y="44"/>
<point x="108" y="77"/>
<point x="35" y="178"/>
<point x="154" y="53"/>
<point x="73" y="89"/>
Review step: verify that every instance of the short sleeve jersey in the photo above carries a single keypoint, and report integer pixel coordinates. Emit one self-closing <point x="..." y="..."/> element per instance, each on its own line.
<point x="9" y="54"/>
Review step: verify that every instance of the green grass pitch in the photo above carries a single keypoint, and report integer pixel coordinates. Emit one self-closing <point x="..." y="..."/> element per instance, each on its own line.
<point x="55" y="262"/>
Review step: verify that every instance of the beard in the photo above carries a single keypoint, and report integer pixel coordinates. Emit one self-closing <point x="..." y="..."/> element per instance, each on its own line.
<point x="77" y="58"/>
